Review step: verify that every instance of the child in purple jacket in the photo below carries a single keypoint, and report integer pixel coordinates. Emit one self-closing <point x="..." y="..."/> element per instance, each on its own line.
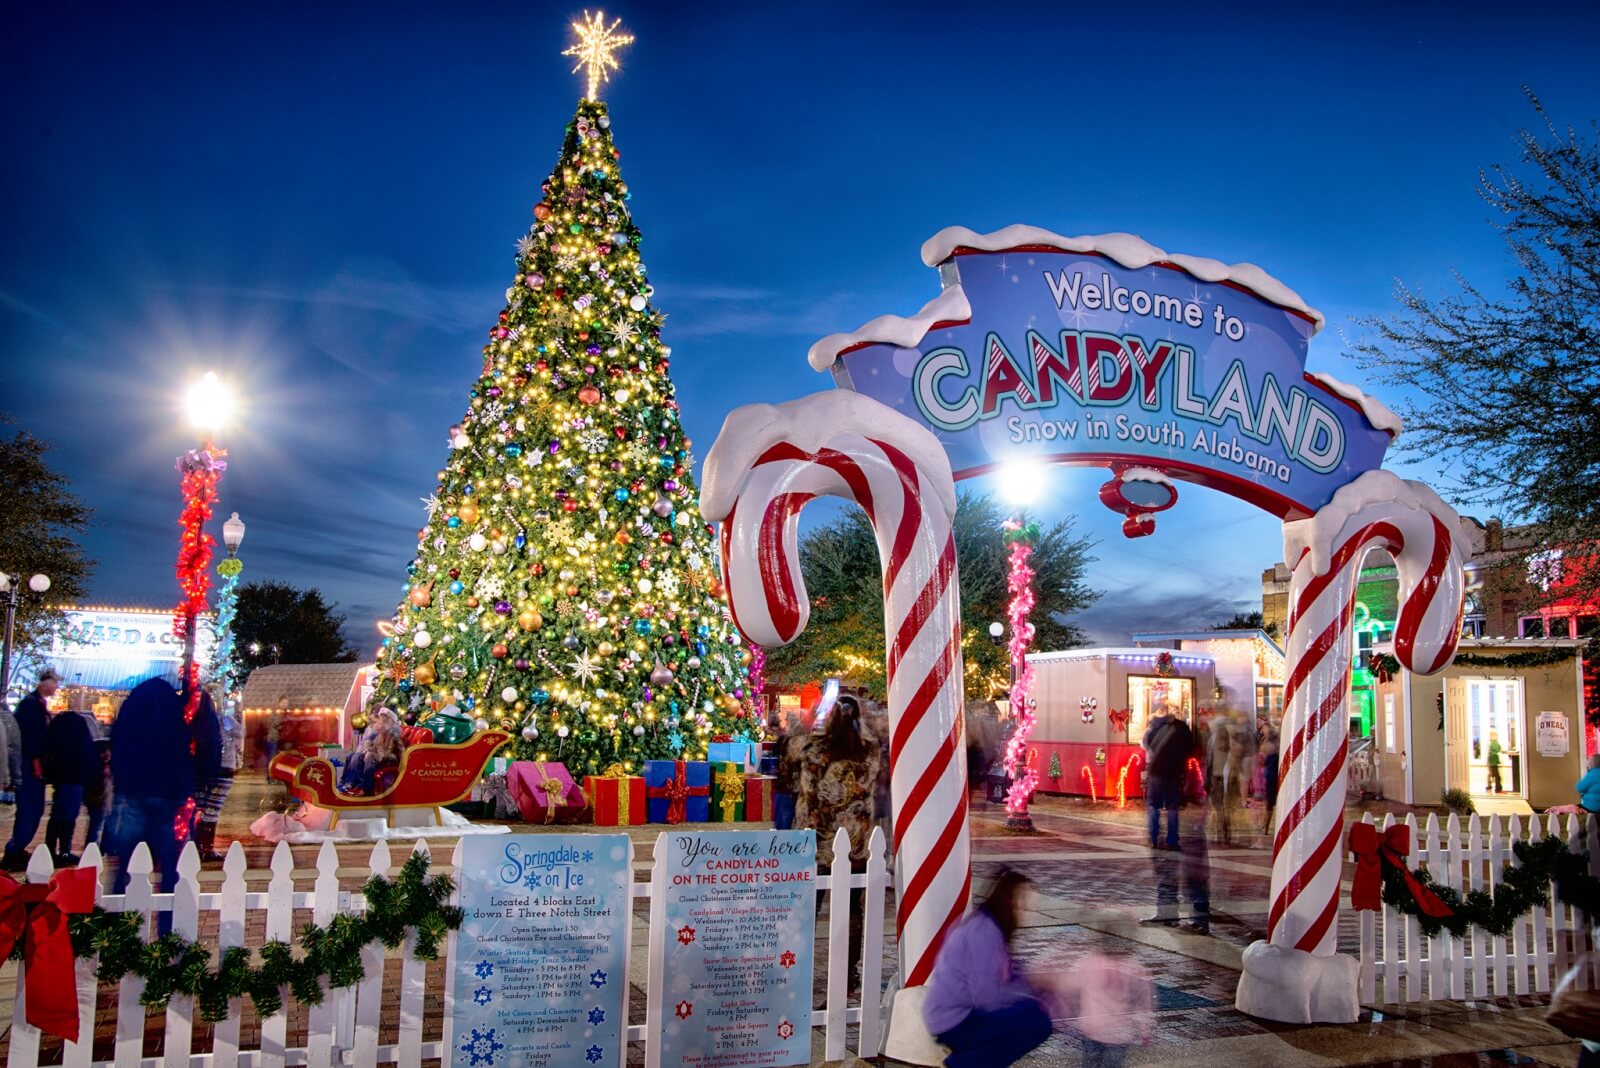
<point x="979" y="1004"/>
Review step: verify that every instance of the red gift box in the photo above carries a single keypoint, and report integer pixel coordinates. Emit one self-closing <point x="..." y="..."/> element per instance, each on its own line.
<point x="544" y="791"/>
<point x="758" y="798"/>
<point x="616" y="798"/>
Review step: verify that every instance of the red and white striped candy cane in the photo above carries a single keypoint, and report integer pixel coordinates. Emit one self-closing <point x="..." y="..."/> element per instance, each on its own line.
<point x="766" y="465"/>
<point x="1377" y="511"/>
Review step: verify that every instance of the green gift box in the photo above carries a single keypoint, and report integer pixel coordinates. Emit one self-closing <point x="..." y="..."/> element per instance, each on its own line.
<point x="727" y="792"/>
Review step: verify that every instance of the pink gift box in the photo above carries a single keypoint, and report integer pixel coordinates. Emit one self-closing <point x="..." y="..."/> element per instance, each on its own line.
<point x="544" y="792"/>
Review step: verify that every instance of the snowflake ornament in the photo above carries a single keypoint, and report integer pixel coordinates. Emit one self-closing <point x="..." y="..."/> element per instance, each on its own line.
<point x="525" y="245"/>
<point x="675" y="741"/>
<point x="585" y="667"/>
<point x="490" y="587"/>
<point x="593" y="441"/>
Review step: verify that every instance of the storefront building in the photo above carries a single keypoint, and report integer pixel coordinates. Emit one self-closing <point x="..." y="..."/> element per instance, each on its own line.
<point x="102" y="653"/>
<point x="1250" y="667"/>
<point x="301" y="706"/>
<point x="1503" y="723"/>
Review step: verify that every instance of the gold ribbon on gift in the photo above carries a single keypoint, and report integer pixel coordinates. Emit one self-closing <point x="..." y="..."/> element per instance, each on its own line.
<point x="624" y="791"/>
<point x="731" y="782"/>
<point x="555" y="792"/>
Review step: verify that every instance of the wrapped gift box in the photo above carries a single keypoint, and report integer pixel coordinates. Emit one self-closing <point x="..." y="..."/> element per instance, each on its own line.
<point x="746" y="754"/>
<point x="692" y="785"/>
<point x="758" y="798"/>
<point x="727" y="792"/>
<point x="544" y="792"/>
<point x="615" y="798"/>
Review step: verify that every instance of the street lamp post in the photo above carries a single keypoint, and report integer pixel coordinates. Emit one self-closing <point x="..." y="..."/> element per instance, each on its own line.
<point x="8" y="585"/>
<point x="209" y="406"/>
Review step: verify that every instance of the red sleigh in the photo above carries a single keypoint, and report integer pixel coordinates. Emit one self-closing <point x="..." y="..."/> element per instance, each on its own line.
<point x="429" y="776"/>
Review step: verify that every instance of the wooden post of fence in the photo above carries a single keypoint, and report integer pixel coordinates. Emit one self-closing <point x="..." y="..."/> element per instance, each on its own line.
<point x="869" y="1037"/>
<point x="412" y="976"/>
<point x="1475" y="879"/>
<point x="80" y="1054"/>
<point x="1439" y="944"/>
<point x="1391" y="941"/>
<point x="1541" y="919"/>
<point x="839" y="962"/>
<point x="280" y="920"/>
<point x="1454" y="851"/>
<point x="324" y="1018"/>
<point x="1413" y="930"/>
<point x="1497" y="861"/>
<point x="130" y="1013"/>
<point x="230" y="932"/>
<point x="655" y="964"/>
<point x="627" y="960"/>
<point x="177" y="1039"/>
<point x="24" y="1051"/>
<point x="1367" y="989"/>
<point x="1519" y="928"/>
<point x="457" y="855"/>
<point x="369" y="992"/>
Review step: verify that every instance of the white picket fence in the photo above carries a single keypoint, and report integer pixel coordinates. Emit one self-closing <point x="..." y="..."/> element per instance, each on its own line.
<point x="1399" y="964"/>
<point x="345" y="1029"/>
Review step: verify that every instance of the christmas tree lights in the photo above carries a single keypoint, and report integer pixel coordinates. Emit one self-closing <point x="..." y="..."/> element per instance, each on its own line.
<point x="1019" y="539"/>
<point x="563" y="587"/>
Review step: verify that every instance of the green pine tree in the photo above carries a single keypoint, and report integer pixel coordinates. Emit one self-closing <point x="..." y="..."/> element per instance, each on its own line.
<point x="564" y="586"/>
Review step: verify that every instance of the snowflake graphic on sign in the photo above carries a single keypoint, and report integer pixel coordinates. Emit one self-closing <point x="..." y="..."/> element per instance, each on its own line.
<point x="684" y="1010"/>
<point x="484" y="969"/>
<point x="597" y="1015"/>
<point x="597" y="979"/>
<point x="482" y="996"/>
<point x="481" y="1046"/>
<point x="592" y="1054"/>
<point x="787" y="958"/>
<point x="686" y="934"/>
<point x="785" y="1030"/>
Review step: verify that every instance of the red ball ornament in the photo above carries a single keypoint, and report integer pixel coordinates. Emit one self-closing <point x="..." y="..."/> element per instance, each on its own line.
<point x="589" y="395"/>
<point x="621" y="432"/>
<point x="499" y="651"/>
<point x="541" y="211"/>
<point x="571" y="506"/>
<point x="535" y="569"/>
<point x="541" y="365"/>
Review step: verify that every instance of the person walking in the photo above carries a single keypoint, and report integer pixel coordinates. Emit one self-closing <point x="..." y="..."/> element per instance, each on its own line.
<point x="1494" y="763"/>
<point x="1186" y="866"/>
<point x="1588" y="787"/>
<point x="211" y="785"/>
<point x="97" y="795"/>
<point x="786" y="781"/>
<point x="838" y="771"/>
<point x="69" y="767"/>
<point x="33" y="722"/>
<point x="1221" y="776"/>
<point x="1167" y="743"/>
<point x="152" y="771"/>
<point x="10" y="759"/>
<point x="1269" y="778"/>
<point x="979" y="1004"/>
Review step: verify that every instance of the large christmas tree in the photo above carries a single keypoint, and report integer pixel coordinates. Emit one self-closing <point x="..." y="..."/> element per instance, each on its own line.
<point x="563" y="587"/>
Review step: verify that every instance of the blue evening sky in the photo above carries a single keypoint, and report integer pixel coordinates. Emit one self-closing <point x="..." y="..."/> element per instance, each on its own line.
<point x="320" y="202"/>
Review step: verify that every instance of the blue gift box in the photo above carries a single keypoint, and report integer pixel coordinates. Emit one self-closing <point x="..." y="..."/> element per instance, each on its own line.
<point x="743" y="754"/>
<point x="697" y="780"/>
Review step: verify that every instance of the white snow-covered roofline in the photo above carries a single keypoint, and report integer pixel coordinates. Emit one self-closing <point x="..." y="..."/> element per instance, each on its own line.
<point x="950" y="307"/>
<point x="1130" y="250"/>
<point x="906" y="332"/>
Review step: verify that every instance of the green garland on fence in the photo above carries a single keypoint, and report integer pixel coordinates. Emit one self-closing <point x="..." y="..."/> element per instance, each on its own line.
<point x="1523" y="887"/>
<point x="172" y="965"/>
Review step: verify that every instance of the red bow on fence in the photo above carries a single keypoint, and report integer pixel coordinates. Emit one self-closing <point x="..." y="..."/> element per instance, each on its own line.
<point x="37" y="913"/>
<point x="1372" y="852"/>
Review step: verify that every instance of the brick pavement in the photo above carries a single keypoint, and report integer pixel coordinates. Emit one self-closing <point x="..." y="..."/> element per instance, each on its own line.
<point x="1094" y="880"/>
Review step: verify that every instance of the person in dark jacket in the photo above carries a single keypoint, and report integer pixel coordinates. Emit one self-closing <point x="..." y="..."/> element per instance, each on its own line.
<point x="152" y="774"/>
<point x="34" y="720"/>
<point x="212" y="780"/>
<point x="97" y="795"/>
<point x="70" y="765"/>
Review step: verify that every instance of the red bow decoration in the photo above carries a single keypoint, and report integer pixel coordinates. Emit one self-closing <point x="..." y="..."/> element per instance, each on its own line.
<point x="37" y="912"/>
<point x="1372" y="851"/>
<point x="677" y="791"/>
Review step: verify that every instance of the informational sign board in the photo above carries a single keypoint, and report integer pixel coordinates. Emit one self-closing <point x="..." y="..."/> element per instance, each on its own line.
<point x="1073" y="357"/>
<point x="109" y="634"/>
<point x="540" y="976"/>
<point x="1550" y="735"/>
<point x="736" y="953"/>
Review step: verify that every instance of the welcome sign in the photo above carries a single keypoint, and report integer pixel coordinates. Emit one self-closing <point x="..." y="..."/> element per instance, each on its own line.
<point x="1107" y="350"/>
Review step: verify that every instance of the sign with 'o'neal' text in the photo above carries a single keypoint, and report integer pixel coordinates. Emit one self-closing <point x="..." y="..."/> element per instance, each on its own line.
<point x="1106" y="350"/>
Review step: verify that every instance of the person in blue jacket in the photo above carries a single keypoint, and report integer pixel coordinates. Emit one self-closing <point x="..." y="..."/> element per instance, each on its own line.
<point x="152" y="776"/>
<point x="34" y="718"/>
<point x="1589" y="787"/>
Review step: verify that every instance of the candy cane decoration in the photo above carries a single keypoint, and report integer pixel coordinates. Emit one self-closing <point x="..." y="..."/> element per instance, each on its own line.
<point x="766" y="465"/>
<point x="1377" y="510"/>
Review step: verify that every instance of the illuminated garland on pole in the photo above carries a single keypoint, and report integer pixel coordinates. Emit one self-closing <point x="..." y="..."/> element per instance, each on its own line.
<point x="224" y="667"/>
<point x="201" y="470"/>
<point x="1019" y="583"/>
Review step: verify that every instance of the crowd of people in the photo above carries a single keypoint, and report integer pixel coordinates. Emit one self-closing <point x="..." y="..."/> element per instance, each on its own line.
<point x="156" y="779"/>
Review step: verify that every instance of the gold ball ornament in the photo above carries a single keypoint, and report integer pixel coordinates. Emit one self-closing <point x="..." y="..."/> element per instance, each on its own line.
<point x="528" y="619"/>
<point x="359" y="721"/>
<point x="468" y="512"/>
<point x="425" y="674"/>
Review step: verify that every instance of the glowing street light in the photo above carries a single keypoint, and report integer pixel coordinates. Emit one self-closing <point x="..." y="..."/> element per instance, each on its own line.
<point x="209" y="403"/>
<point x="8" y="586"/>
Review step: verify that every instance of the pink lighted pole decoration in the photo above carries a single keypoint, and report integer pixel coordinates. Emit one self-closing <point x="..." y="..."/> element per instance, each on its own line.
<point x="1019" y="582"/>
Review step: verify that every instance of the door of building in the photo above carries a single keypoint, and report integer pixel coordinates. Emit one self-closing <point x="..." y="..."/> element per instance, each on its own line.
<point x="1496" y="725"/>
<point x="1456" y="746"/>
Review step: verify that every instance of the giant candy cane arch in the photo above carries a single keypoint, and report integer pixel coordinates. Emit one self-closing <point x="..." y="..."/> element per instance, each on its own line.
<point x="1377" y="510"/>
<point x="767" y="464"/>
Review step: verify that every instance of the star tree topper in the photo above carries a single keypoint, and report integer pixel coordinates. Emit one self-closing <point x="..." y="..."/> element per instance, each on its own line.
<point x="596" y="43"/>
